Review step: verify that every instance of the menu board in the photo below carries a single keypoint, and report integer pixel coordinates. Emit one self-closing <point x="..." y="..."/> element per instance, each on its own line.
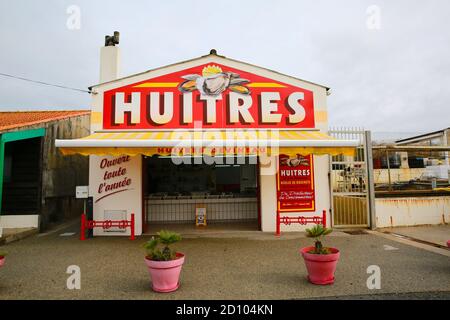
<point x="200" y="216"/>
<point x="295" y="183"/>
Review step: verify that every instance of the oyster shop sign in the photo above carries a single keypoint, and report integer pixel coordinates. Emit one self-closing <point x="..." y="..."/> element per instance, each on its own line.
<point x="216" y="95"/>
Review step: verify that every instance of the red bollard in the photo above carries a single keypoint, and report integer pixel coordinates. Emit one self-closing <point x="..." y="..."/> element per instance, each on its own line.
<point x="277" y="233"/>
<point x="324" y="218"/>
<point x="132" y="227"/>
<point x="83" y="226"/>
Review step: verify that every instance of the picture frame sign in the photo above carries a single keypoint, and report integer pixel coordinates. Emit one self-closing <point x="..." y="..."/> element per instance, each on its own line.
<point x="200" y="216"/>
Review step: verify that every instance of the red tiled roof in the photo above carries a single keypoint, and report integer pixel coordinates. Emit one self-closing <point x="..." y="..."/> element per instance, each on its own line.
<point x="16" y="119"/>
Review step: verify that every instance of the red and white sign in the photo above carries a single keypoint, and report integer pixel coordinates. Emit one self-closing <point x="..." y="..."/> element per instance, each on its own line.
<point x="115" y="177"/>
<point x="215" y="95"/>
<point x="295" y="184"/>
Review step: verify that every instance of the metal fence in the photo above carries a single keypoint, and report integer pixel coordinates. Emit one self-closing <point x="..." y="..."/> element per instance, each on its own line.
<point x="217" y="210"/>
<point x="350" y="181"/>
<point x="411" y="170"/>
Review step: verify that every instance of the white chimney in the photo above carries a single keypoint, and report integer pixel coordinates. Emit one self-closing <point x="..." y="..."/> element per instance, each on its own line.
<point x="110" y="59"/>
<point x="109" y="70"/>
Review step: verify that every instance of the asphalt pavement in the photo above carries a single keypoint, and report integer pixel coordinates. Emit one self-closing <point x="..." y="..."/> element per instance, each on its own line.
<point x="250" y="267"/>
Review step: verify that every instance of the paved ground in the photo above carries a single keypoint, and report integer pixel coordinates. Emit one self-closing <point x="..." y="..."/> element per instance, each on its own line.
<point x="261" y="267"/>
<point x="435" y="234"/>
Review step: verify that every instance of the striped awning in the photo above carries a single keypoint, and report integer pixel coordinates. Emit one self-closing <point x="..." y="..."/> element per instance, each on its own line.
<point x="210" y="142"/>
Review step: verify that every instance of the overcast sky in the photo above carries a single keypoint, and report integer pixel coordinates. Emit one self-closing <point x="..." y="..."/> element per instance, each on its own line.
<point x="388" y="71"/>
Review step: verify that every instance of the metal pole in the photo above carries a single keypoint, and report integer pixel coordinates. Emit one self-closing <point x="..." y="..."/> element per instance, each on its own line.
<point x="277" y="231"/>
<point x="370" y="180"/>
<point x="330" y="184"/>
<point x="389" y="170"/>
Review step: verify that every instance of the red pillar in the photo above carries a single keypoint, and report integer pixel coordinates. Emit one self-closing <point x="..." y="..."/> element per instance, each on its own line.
<point x="82" y="228"/>
<point x="324" y="218"/>
<point x="132" y="227"/>
<point x="277" y="233"/>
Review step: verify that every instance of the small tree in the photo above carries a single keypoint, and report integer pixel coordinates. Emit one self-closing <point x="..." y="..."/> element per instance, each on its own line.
<point x="318" y="232"/>
<point x="158" y="248"/>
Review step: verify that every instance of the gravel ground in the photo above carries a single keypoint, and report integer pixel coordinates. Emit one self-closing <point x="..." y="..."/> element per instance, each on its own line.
<point x="218" y="268"/>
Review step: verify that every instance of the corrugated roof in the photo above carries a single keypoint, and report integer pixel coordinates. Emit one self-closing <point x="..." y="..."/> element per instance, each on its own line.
<point x="15" y="119"/>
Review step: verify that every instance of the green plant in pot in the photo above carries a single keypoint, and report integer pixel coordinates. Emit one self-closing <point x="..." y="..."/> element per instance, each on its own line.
<point x="320" y="261"/>
<point x="163" y="262"/>
<point x="2" y="257"/>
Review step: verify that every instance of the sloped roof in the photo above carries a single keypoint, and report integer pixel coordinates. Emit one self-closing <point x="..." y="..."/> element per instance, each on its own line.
<point x="424" y="135"/>
<point x="15" y="119"/>
<point x="212" y="55"/>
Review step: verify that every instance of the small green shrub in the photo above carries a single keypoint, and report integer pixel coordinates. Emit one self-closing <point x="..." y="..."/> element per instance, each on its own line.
<point x="158" y="249"/>
<point x="318" y="232"/>
<point x="3" y="254"/>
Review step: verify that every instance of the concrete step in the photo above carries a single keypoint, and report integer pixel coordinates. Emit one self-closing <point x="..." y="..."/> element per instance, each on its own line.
<point x="14" y="234"/>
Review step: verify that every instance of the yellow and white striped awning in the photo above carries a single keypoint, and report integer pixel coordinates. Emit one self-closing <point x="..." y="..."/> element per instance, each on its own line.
<point x="210" y="142"/>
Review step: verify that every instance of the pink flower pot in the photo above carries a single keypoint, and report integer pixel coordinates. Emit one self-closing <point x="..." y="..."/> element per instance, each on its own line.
<point x="321" y="267"/>
<point x="165" y="275"/>
<point x="2" y="261"/>
<point x="448" y="243"/>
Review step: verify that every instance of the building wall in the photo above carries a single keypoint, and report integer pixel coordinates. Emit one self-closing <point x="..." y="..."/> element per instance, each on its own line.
<point x="128" y="198"/>
<point x="412" y="211"/>
<point x="267" y="181"/>
<point x="269" y="196"/>
<point x="60" y="174"/>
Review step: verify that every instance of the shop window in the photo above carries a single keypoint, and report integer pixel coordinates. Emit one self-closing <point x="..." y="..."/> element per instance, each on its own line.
<point x="166" y="179"/>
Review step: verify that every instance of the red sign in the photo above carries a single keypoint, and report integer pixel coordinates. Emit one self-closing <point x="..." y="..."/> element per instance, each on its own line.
<point x="295" y="184"/>
<point x="214" y="95"/>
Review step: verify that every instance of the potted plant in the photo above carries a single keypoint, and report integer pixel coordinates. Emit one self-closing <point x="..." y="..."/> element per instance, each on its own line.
<point x="2" y="258"/>
<point x="164" y="263"/>
<point x="320" y="261"/>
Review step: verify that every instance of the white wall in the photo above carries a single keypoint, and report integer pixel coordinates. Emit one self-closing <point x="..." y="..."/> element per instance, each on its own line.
<point x="267" y="181"/>
<point x="269" y="196"/>
<point x="129" y="200"/>
<point x="19" y="221"/>
<point x="413" y="211"/>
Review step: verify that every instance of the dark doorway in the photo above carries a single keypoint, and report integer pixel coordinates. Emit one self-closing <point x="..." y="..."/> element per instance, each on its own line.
<point x="22" y="177"/>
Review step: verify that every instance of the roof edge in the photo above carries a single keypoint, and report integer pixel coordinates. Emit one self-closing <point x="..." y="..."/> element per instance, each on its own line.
<point x="421" y="135"/>
<point x="31" y="123"/>
<point x="201" y="57"/>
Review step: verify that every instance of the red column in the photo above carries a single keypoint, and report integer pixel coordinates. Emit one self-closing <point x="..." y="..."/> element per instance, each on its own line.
<point x="132" y="227"/>
<point x="82" y="228"/>
<point x="324" y="218"/>
<point x="278" y="224"/>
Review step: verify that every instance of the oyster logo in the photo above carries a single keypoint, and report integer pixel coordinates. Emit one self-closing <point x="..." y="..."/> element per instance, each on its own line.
<point x="298" y="160"/>
<point x="213" y="82"/>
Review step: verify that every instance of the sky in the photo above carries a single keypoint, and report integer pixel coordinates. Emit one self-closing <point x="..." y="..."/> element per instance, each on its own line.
<point x="386" y="62"/>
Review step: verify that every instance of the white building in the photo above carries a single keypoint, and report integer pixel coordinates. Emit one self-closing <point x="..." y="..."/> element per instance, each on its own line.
<point x="237" y="120"/>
